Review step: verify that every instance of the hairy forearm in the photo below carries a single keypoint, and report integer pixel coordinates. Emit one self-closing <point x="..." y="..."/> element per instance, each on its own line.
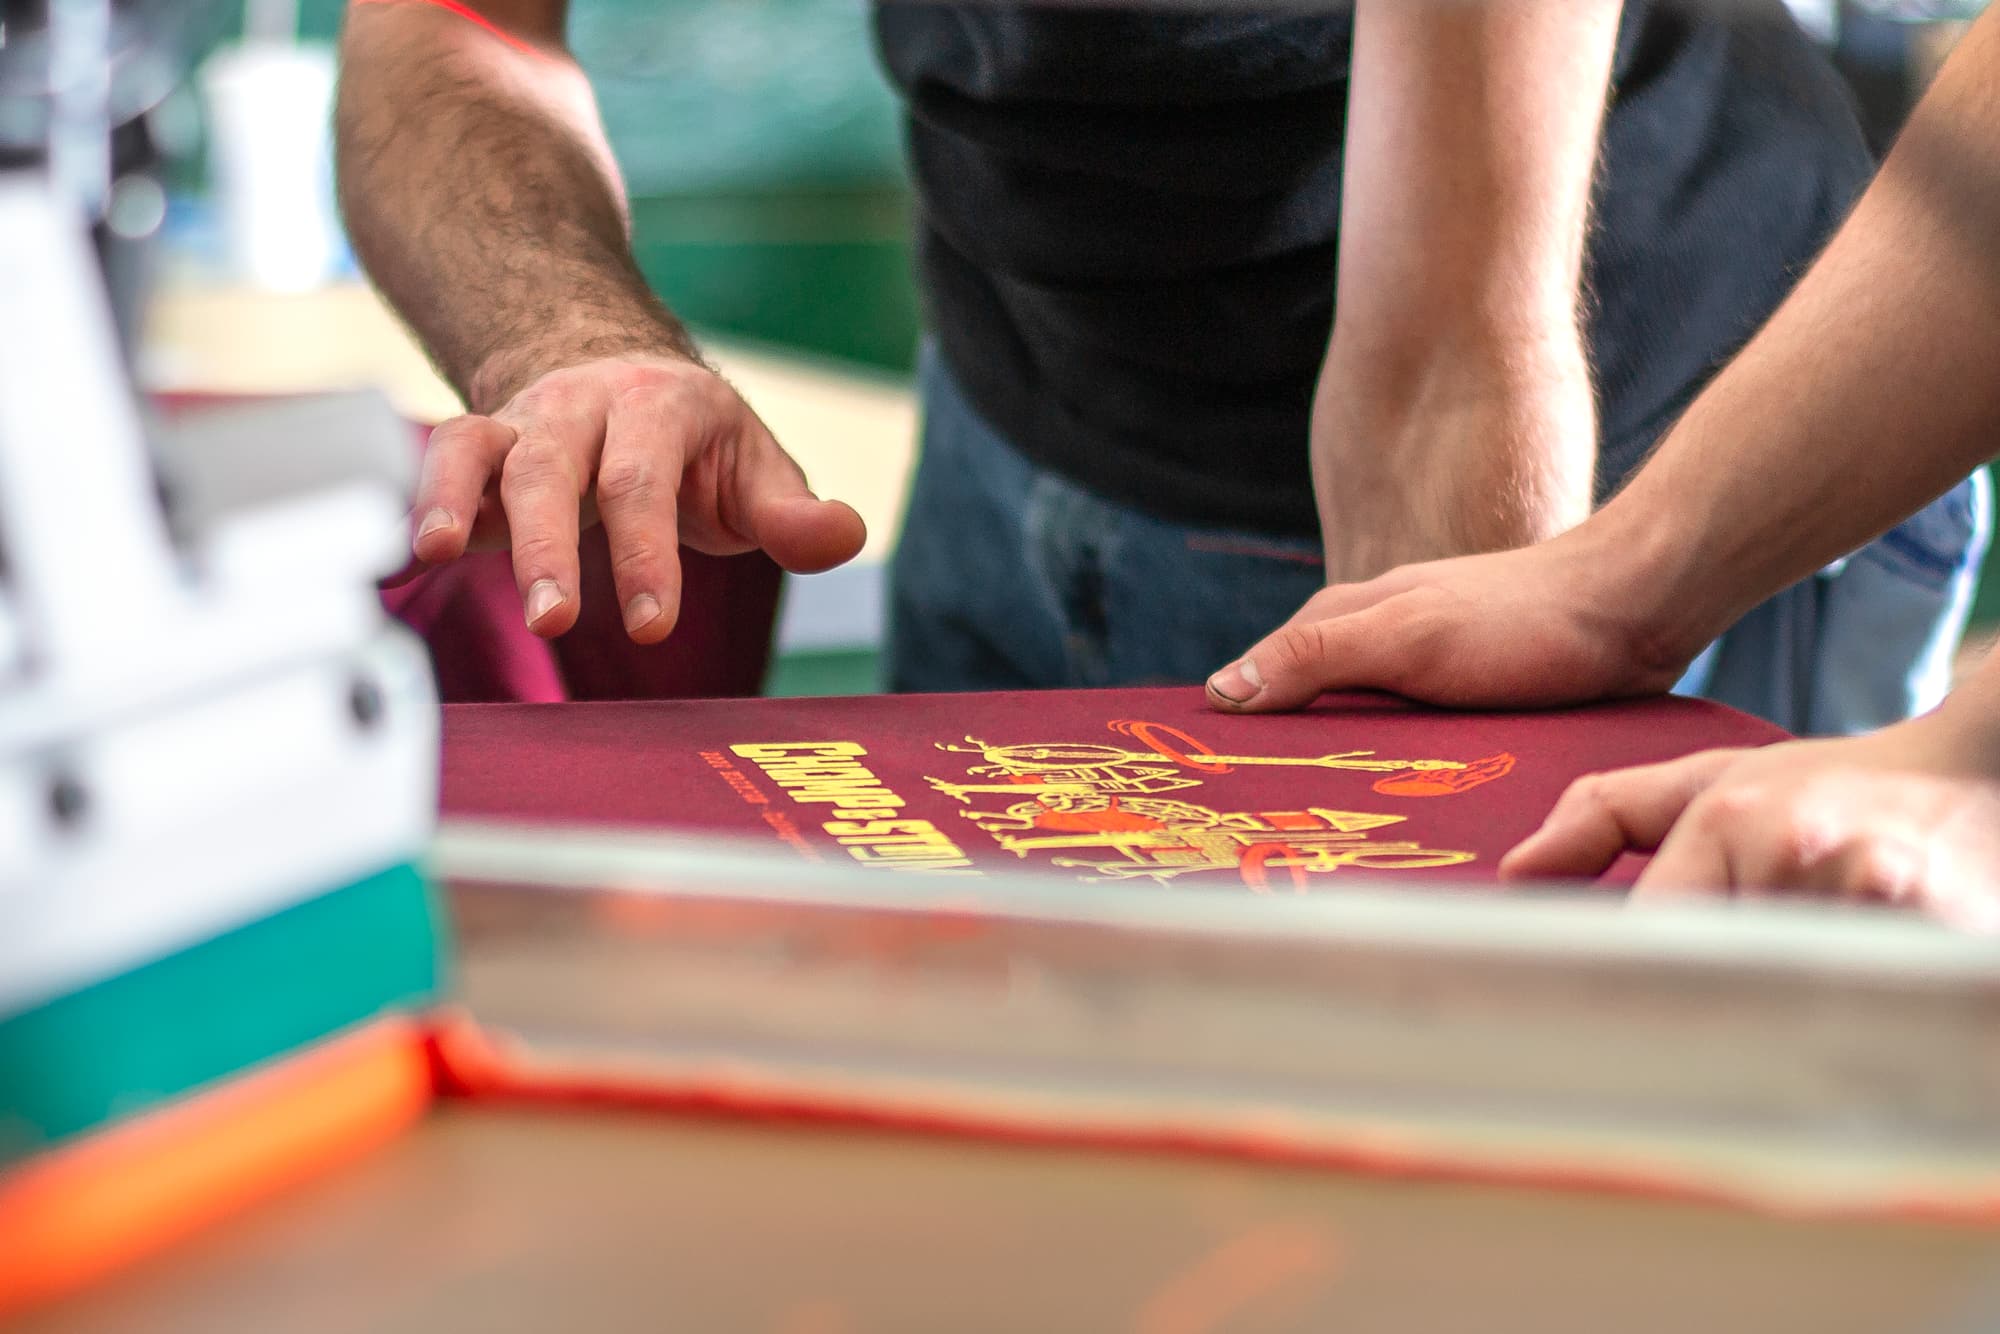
<point x="1471" y="141"/>
<point x="1454" y="411"/>
<point x="1874" y="388"/>
<point x="483" y="201"/>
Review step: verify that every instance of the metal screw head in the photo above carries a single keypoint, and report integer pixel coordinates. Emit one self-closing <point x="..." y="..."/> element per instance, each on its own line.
<point x="136" y="208"/>
<point x="365" y="703"/>
<point x="68" y="801"/>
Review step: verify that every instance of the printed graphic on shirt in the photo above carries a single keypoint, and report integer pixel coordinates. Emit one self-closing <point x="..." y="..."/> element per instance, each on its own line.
<point x="1103" y="810"/>
<point x="1097" y="809"/>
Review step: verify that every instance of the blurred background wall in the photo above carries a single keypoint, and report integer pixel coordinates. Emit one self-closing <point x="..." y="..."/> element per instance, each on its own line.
<point x="761" y="148"/>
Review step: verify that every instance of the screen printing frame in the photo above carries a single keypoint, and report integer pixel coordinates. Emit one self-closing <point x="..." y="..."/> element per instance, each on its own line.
<point x="1787" y="1056"/>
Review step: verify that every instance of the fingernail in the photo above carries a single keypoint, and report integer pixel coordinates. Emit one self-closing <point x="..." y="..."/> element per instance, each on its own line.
<point x="436" y="521"/>
<point x="641" y="610"/>
<point x="543" y="598"/>
<point x="1239" y="682"/>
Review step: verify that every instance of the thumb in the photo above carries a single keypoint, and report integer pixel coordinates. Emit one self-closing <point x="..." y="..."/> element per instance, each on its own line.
<point x="1309" y="655"/>
<point x="781" y="515"/>
<point x="807" y="535"/>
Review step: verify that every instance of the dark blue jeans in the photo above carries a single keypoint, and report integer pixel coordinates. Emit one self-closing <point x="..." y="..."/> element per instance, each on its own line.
<point x="1010" y="577"/>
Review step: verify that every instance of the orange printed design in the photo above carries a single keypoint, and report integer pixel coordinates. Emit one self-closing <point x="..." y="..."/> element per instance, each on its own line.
<point x="1446" y="782"/>
<point x="1172" y="743"/>
<point x="1069" y="799"/>
<point x="473" y="16"/>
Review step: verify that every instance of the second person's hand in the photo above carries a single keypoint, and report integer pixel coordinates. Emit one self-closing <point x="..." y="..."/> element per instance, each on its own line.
<point x="1553" y="623"/>
<point x="1908" y="816"/>
<point x="659" y="448"/>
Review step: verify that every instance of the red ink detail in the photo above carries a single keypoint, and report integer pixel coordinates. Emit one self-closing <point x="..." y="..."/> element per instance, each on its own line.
<point x="1255" y="870"/>
<point x="473" y="16"/>
<point x="1161" y="740"/>
<point x="1445" y="782"/>
<point x="1264" y="550"/>
<point x="1113" y="819"/>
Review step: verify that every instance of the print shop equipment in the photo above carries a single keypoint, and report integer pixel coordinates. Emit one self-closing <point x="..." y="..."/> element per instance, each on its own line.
<point x="217" y="757"/>
<point x="217" y="772"/>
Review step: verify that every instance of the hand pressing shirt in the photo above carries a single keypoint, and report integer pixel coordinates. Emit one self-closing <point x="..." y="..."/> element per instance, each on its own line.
<point x="1907" y="816"/>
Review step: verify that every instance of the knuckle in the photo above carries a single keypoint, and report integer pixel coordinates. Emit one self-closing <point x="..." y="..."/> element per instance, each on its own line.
<point x="559" y="393"/>
<point x="538" y="398"/>
<point x="1293" y="649"/>
<point x="1319" y="640"/>
<point x="1590" y="792"/>
<point x="1872" y="872"/>
<point x="466" y="436"/>
<point x="684" y="397"/>
<point x="656" y="373"/>
<point x="1798" y="841"/>
<point x="1713" y="813"/>
<point x="1735" y="801"/>
<point x="640" y="395"/>
<point x="453" y="430"/>
<point x="540" y="553"/>
<point x="629" y="480"/>
<point x="704" y="396"/>
<point x="1886" y="869"/>
<point x="635" y="560"/>
<point x="534" y="462"/>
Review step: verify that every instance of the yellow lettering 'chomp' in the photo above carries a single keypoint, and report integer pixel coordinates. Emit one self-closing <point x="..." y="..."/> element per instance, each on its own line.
<point x="829" y="773"/>
<point x="783" y="750"/>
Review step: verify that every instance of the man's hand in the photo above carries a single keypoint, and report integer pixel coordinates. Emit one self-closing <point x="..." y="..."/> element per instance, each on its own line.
<point x="1554" y="623"/>
<point x="660" y="448"/>
<point x="483" y="197"/>
<point x="1907" y="816"/>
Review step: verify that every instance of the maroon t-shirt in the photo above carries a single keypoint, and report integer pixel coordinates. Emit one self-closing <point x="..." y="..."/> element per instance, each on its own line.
<point x="1138" y="786"/>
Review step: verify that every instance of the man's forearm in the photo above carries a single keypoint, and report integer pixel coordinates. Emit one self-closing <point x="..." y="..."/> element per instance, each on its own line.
<point x="1874" y="388"/>
<point x="1456" y="394"/>
<point x="483" y="200"/>
<point x="1471" y="142"/>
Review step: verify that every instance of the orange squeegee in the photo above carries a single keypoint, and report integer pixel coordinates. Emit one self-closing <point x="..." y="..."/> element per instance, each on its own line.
<point x="81" y="1210"/>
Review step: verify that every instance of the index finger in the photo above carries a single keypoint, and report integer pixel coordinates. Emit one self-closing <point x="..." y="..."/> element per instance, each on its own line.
<point x="1602" y="815"/>
<point x="1694" y="862"/>
<point x="459" y="460"/>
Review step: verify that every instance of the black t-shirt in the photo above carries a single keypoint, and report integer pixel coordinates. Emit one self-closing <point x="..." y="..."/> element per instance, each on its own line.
<point x="1128" y="219"/>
